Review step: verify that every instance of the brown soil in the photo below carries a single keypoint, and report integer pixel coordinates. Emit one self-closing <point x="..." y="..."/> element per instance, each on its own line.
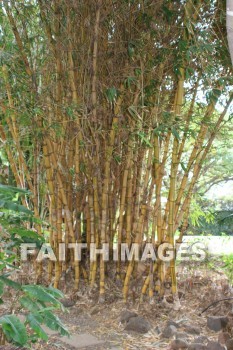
<point x="199" y="288"/>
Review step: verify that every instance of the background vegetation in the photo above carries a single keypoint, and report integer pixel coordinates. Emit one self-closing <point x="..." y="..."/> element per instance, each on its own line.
<point x="111" y="113"/>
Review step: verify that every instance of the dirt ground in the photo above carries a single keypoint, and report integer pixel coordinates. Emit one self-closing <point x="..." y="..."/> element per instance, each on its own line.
<point x="198" y="286"/>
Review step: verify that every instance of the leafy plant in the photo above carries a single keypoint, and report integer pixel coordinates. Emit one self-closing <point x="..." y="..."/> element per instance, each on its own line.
<point x="9" y="199"/>
<point x="197" y="215"/>
<point x="36" y="301"/>
<point x="228" y="266"/>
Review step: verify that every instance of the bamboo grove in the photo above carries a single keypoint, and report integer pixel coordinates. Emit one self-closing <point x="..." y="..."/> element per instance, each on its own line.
<point x="108" y="111"/>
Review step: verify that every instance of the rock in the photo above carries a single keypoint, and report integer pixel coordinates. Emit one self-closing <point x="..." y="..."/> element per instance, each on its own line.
<point x="172" y="323"/>
<point x="80" y="341"/>
<point x="217" y="323"/>
<point x="127" y="315"/>
<point x="68" y="302"/>
<point x="94" y="310"/>
<point x="157" y="330"/>
<point x="181" y="294"/>
<point x="192" y="329"/>
<point x="181" y="335"/>
<point x="179" y="344"/>
<point x="138" y="324"/>
<point x="213" y="345"/>
<point x="169" y="331"/>
<point x="229" y="344"/>
<point x="223" y="337"/>
<point x="202" y="339"/>
<point x="197" y="346"/>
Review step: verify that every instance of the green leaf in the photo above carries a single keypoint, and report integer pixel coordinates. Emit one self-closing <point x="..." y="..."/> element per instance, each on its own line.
<point x="54" y="323"/>
<point x="134" y="113"/>
<point x="11" y="189"/>
<point x="183" y="44"/>
<point x="38" y="316"/>
<point x="160" y="129"/>
<point x="167" y="115"/>
<point x="117" y="158"/>
<point x="213" y="96"/>
<point x="35" y="325"/>
<point x="177" y="71"/>
<point x="175" y="133"/>
<point x="131" y="49"/>
<point x="129" y="81"/>
<point x="29" y="304"/>
<point x="41" y="294"/>
<point x="55" y="292"/>
<point x="14" y="207"/>
<point x="183" y="166"/>
<point x="10" y="283"/>
<point x="111" y="94"/>
<point x="144" y="139"/>
<point x="168" y="13"/>
<point x="189" y="72"/>
<point x="1" y="287"/>
<point x="25" y="236"/>
<point x="14" y="329"/>
<point x="137" y="72"/>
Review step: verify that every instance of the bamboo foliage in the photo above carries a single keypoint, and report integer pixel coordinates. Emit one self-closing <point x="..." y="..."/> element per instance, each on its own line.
<point x="108" y="97"/>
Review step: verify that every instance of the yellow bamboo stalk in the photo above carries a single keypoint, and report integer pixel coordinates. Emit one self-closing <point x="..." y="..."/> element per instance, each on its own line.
<point x="105" y="201"/>
<point x="94" y="60"/>
<point x="18" y="39"/>
<point x="129" y="206"/>
<point x="122" y="205"/>
<point x="196" y="149"/>
<point x="199" y="162"/>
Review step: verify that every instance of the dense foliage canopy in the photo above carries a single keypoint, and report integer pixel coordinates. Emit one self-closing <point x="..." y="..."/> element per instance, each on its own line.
<point x="109" y="110"/>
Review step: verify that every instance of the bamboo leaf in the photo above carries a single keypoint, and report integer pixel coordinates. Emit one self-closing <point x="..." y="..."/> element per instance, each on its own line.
<point x="41" y="294"/>
<point x="35" y="325"/>
<point x="54" y="323"/>
<point x="10" y="283"/>
<point x="29" y="304"/>
<point x="111" y="94"/>
<point x="129" y="81"/>
<point x="183" y="166"/>
<point x="175" y="133"/>
<point x="55" y="292"/>
<point x="1" y="287"/>
<point x="14" y="329"/>
<point x="134" y="113"/>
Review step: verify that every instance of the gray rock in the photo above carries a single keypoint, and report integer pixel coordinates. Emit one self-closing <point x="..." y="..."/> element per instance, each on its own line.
<point x="172" y="323"/>
<point x="229" y="344"/>
<point x="213" y="345"/>
<point x="68" y="302"/>
<point x="217" y="323"/>
<point x="79" y="341"/>
<point x="95" y="310"/>
<point x="223" y="337"/>
<point x="181" y="335"/>
<point x="138" y="324"/>
<point x="192" y="329"/>
<point x="202" y="339"/>
<point x="127" y="315"/>
<point x="157" y="330"/>
<point x="197" y="346"/>
<point x="169" y="331"/>
<point x="178" y="344"/>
